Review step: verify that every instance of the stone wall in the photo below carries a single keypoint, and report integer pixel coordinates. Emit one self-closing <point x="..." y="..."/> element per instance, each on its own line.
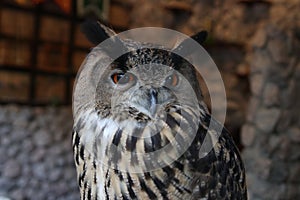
<point x="36" y="159"/>
<point x="271" y="134"/>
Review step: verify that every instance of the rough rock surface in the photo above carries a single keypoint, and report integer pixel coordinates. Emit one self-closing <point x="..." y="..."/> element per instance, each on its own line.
<point x="36" y="159"/>
<point x="271" y="133"/>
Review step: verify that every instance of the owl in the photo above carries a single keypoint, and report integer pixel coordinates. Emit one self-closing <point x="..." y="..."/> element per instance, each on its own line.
<point x="141" y="128"/>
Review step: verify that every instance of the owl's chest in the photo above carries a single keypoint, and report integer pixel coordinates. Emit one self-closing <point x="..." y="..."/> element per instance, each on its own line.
<point x="112" y="156"/>
<point x="166" y="183"/>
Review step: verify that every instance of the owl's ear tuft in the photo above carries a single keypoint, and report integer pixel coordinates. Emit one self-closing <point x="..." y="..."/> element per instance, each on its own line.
<point x="200" y="37"/>
<point x="185" y="48"/>
<point x="96" y="32"/>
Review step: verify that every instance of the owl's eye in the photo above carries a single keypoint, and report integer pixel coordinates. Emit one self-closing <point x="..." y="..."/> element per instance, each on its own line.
<point x="122" y="78"/>
<point x="172" y="80"/>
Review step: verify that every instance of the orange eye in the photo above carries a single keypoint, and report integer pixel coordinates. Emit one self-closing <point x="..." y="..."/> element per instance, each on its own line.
<point x="122" y="78"/>
<point x="172" y="80"/>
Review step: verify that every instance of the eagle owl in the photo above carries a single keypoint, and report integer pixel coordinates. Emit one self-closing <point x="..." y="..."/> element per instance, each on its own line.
<point x="140" y="125"/>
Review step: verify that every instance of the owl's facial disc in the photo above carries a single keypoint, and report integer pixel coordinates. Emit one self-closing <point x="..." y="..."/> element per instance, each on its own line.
<point x="144" y="93"/>
<point x="145" y="85"/>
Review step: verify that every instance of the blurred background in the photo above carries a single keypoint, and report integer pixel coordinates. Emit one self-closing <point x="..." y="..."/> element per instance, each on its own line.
<point x="254" y="43"/>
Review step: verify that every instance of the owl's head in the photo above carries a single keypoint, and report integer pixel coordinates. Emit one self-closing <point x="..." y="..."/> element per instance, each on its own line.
<point x="136" y="99"/>
<point x="140" y="81"/>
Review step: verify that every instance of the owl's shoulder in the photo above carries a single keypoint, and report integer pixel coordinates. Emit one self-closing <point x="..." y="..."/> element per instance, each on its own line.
<point x="215" y="162"/>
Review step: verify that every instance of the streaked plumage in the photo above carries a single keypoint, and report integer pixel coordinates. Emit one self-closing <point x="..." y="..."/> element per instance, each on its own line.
<point x="113" y="132"/>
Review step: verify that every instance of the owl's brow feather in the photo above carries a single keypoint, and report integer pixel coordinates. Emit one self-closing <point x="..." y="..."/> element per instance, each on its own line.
<point x="147" y="56"/>
<point x="120" y="63"/>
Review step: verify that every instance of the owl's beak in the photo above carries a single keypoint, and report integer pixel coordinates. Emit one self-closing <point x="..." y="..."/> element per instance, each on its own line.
<point x="153" y="101"/>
